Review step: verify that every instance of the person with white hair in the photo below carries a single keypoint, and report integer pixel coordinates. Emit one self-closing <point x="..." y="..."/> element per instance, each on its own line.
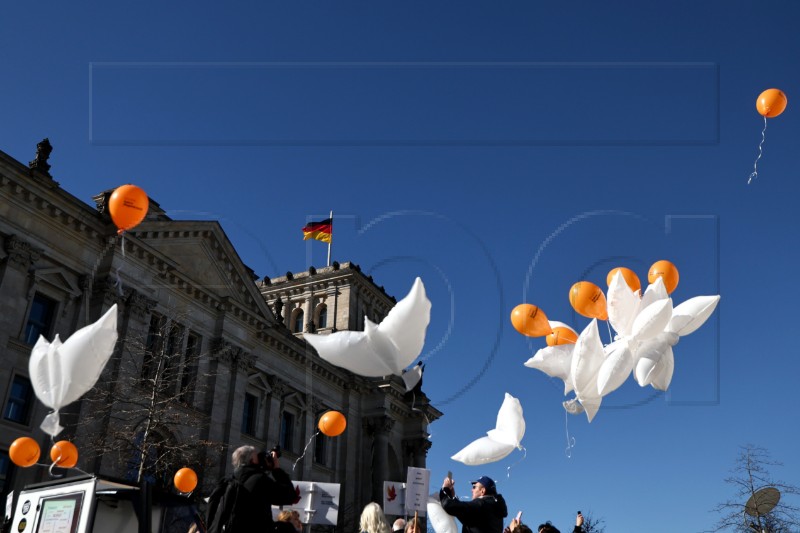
<point x="242" y="502"/>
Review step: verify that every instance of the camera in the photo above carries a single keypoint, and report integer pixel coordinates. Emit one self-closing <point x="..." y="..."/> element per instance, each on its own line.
<point x="265" y="460"/>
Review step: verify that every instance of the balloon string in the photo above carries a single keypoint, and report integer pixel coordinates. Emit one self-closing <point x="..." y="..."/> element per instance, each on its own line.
<point x="754" y="174"/>
<point x="304" y="450"/>
<point x="570" y="440"/>
<point x="524" y="455"/>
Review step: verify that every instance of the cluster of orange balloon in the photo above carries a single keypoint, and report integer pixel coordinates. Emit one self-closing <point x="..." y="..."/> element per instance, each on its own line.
<point x="332" y="423"/>
<point x="588" y="300"/>
<point x="185" y="480"/>
<point x="25" y="451"/>
<point x="769" y="104"/>
<point x="127" y="206"/>
<point x="647" y="324"/>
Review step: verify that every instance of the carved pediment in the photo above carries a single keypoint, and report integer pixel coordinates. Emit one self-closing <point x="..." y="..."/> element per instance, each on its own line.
<point x="59" y="278"/>
<point x="206" y="258"/>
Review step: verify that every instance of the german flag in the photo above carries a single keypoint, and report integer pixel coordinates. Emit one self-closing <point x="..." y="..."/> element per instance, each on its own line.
<point x="321" y="231"/>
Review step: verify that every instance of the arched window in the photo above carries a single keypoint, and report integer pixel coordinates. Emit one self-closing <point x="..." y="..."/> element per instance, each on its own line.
<point x="298" y="321"/>
<point x="322" y="317"/>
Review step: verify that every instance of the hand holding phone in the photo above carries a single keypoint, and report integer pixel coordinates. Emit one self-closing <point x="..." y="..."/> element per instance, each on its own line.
<point x="519" y="516"/>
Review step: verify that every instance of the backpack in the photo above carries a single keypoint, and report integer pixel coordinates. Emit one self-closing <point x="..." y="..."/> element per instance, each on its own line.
<point x="221" y="505"/>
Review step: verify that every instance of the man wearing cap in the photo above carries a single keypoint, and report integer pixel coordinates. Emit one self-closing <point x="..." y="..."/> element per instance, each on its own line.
<point x="483" y="514"/>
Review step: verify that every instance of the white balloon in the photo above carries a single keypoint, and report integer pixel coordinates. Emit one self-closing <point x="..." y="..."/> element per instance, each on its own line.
<point x="438" y="517"/>
<point x="622" y="304"/>
<point x="413" y="375"/>
<point x="63" y="372"/>
<point x="555" y="361"/>
<point x="591" y="405"/>
<point x="652" y="319"/>
<point x="586" y="360"/>
<point x="692" y="314"/>
<point x="616" y="367"/>
<point x="501" y="441"/>
<point x="483" y="450"/>
<point x="662" y="373"/>
<point x="654" y="292"/>
<point x="381" y="349"/>
<point x="510" y="425"/>
<point x="650" y="353"/>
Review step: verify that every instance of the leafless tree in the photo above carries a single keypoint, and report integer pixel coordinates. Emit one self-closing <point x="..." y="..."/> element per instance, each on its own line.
<point x="750" y="474"/>
<point x="592" y="524"/>
<point x="147" y="418"/>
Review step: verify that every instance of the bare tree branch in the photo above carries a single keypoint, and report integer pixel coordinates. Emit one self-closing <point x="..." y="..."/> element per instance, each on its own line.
<point x="750" y="474"/>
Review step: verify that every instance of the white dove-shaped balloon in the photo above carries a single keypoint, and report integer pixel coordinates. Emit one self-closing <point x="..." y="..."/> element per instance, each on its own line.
<point x="438" y="517"/>
<point x="647" y="328"/>
<point x="500" y="441"/>
<point x="381" y="349"/>
<point x="63" y="372"/>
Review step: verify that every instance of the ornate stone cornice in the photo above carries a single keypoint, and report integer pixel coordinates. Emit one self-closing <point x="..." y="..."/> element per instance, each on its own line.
<point x="417" y="446"/>
<point x="20" y="253"/>
<point x="279" y="387"/>
<point x="377" y="425"/>
<point x="232" y="355"/>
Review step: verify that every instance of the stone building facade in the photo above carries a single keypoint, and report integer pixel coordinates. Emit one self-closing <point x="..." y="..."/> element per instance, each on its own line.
<point x="238" y="372"/>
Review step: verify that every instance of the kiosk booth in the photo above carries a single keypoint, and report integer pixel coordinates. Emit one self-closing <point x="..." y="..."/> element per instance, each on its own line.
<point x="87" y="504"/>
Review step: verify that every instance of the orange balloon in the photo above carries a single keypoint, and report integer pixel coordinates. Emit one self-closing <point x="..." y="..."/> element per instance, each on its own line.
<point x="630" y="277"/>
<point x="530" y="320"/>
<point x="771" y="103"/>
<point x="667" y="272"/>
<point x="24" y="452"/>
<point x="561" y="335"/>
<point x="127" y="206"/>
<point x="588" y="300"/>
<point x="332" y="423"/>
<point x="185" y="480"/>
<point x="64" y="454"/>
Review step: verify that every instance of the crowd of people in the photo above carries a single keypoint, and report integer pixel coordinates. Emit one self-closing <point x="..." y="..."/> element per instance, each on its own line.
<point x="243" y="502"/>
<point x="485" y="512"/>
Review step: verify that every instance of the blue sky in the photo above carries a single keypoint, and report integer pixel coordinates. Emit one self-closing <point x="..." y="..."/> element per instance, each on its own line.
<point x="501" y="151"/>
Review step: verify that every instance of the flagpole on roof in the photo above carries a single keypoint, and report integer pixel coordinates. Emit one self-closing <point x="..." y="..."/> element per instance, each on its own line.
<point x="330" y="241"/>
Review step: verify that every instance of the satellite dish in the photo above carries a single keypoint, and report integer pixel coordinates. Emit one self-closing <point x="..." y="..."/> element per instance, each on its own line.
<point x="762" y="501"/>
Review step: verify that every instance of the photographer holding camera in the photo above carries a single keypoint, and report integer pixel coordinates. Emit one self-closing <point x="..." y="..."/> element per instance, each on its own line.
<point x="242" y="502"/>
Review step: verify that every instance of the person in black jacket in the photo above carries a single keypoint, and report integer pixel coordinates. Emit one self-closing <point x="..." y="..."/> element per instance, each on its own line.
<point x="257" y="484"/>
<point x="483" y="514"/>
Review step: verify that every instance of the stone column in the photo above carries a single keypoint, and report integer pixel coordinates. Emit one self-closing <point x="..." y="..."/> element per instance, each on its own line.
<point x="20" y="256"/>
<point x="378" y="428"/>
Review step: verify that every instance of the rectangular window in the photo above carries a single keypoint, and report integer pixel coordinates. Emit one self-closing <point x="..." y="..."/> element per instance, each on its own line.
<point x="18" y="405"/>
<point x="40" y="319"/>
<point x="5" y="474"/>
<point x="249" y="413"/>
<point x="321" y="449"/>
<point x="287" y="427"/>
<point x="190" y="362"/>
